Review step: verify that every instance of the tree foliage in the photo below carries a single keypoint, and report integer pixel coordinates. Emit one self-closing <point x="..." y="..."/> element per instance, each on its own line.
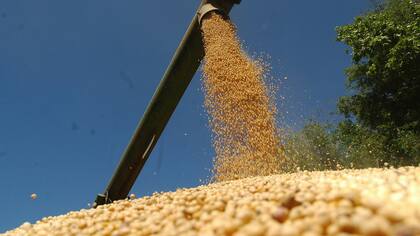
<point x="384" y="77"/>
<point x="382" y="112"/>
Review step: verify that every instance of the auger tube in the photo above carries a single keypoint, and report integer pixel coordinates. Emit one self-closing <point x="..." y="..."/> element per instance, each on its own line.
<point x="184" y="64"/>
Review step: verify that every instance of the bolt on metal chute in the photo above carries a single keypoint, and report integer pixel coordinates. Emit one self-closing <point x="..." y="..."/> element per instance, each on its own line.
<point x="184" y="64"/>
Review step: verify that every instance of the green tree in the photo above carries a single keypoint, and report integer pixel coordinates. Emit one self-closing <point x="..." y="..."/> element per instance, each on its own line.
<point x="384" y="78"/>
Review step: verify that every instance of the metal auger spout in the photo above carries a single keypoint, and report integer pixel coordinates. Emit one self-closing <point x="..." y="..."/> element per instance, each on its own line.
<point x="184" y="64"/>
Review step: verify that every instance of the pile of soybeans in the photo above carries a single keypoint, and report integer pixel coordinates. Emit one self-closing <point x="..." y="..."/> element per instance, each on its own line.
<point x="375" y="202"/>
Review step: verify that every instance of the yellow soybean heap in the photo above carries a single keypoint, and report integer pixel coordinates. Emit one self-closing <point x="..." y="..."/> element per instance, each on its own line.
<point x="346" y="202"/>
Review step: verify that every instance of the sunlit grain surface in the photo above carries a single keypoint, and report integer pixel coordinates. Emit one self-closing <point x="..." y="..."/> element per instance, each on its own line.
<point x="346" y="202"/>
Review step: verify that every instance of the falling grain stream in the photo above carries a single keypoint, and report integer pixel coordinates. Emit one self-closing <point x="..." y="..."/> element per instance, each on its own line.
<point x="241" y="112"/>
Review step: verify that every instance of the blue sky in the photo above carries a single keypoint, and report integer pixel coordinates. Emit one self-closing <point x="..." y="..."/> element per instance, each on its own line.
<point x="76" y="77"/>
